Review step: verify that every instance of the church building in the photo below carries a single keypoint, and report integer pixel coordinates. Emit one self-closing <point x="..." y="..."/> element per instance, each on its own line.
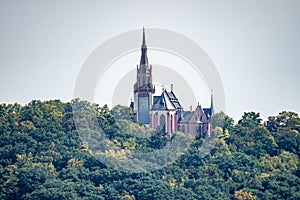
<point x="165" y="110"/>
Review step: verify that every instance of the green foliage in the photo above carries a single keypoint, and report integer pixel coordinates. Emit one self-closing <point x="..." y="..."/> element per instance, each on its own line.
<point x="285" y="120"/>
<point x="122" y="113"/>
<point x="250" y="120"/>
<point x="42" y="155"/>
<point x="288" y="140"/>
<point x="223" y="121"/>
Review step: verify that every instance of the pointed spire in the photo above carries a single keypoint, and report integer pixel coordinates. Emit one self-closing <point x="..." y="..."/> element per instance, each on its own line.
<point x="144" y="58"/>
<point x="144" y="39"/>
<point x="211" y="103"/>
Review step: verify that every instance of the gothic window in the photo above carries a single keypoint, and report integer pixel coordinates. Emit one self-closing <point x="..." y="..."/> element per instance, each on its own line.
<point x="156" y="120"/>
<point x="143" y="80"/>
<point x="171" y="124"/>
<point x="162" y="120"/>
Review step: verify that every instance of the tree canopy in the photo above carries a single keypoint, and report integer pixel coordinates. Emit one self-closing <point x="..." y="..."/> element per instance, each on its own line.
<point x="43" y="156"/>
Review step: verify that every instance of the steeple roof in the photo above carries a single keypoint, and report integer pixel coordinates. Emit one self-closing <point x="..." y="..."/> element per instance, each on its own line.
<point x="144" y="39"/>
<point x="144" y="57"/>
<point x="212" y="104"/>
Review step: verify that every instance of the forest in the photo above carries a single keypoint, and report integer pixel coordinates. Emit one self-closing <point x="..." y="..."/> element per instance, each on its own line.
<point x="44" y="156"/>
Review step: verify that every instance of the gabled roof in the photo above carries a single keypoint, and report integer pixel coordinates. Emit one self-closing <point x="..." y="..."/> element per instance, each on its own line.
<point x="174" y="100"/>
<point x="188" y="115"/>
<point x="169" y="103"/>
<point x="164" y="102"/>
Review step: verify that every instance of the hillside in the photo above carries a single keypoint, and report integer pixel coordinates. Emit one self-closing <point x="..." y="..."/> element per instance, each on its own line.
<point x="43" y="155"/>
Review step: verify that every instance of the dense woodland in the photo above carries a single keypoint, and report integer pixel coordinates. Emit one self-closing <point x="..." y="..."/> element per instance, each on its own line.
<point x="43" y="157"/>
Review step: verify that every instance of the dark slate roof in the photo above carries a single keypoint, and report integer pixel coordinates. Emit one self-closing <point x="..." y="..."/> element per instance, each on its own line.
<point x="163" y="102"/>
<point x="158" y="103"/>
<point x="174" y="100"/>
<point x="186" y="115"/>
<point x="177" y="105"/>
<point x="156" y="99"/>
<point x="172" y="95"/>
<point x="207" y="112"/>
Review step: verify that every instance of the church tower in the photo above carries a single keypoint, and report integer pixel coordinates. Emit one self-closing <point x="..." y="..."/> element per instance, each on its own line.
<point x="143" y="88"/>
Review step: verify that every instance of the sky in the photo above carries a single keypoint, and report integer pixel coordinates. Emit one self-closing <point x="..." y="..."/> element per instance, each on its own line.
<point x="254" y="45"/>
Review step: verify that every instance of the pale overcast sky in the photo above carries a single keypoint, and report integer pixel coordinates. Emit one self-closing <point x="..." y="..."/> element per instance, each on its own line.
<point x="254" y="44"/>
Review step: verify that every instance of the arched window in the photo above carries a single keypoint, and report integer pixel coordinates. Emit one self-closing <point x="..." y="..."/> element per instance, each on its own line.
<point x="143" y="80"/>
<point x="171" y="124"/>
<point x="183" y="128"/>
<point x="162" y="121"/>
